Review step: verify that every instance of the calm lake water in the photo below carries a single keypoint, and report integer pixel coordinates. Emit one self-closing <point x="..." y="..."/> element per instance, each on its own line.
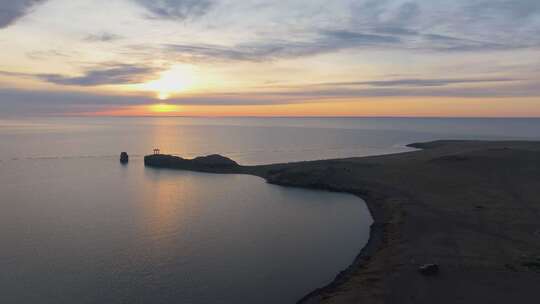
<point x="77" y="227"/>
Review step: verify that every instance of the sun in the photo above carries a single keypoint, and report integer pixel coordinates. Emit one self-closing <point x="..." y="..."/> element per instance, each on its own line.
<point x="163" y="95"/>
<point x="177" y="79"/>
<point x="163" y="108"/>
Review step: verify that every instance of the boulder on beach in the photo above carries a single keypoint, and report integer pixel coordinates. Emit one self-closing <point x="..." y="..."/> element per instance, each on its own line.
<point x="429" y="269"/>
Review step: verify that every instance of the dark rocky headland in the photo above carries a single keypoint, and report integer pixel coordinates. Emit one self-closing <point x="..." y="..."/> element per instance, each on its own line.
<point x="211" y="163"/>
<point x="470" y="207"/>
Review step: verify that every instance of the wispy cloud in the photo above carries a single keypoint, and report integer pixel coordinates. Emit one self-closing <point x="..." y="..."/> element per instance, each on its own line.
<point x="102" y="37"/>
<point x="461" y="25"/>
<point x="505" y="8"/>
<point x="420" y="82"/>
<point x="42" y="55"/>
<point x="11" y="10"/>
<point x="407" y="88"/>
<point x="105" y="74"/>
<point x="457" y="26"/>
<point x="331" y="41"/>
<point x="176" y="9"/>
<point x="325" y="42"/>
<point x="110" y="75"/>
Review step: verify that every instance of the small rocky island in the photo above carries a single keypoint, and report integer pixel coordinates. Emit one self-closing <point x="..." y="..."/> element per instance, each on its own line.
<point x="211" y="163"/>
<point x="124" y="158"/>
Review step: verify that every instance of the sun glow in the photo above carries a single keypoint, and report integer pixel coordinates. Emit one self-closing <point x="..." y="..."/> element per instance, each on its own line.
<point x="177" y="79"/>
<point x="163" y="108"/>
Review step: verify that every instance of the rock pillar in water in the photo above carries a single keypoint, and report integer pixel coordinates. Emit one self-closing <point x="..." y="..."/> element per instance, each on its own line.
<point x="124" y="158"/>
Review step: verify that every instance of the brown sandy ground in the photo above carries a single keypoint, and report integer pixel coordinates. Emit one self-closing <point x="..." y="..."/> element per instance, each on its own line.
<point x="473" y="207"/>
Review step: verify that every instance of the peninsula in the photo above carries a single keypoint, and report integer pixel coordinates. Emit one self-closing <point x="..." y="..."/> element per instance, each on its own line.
<point x="470" y="207"/>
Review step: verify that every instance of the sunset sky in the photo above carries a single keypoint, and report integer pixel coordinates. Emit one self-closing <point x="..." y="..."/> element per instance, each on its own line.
<point x="270" y="58"/>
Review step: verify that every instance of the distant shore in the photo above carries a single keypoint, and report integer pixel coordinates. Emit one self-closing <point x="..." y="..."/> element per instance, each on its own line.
<point x="472" y="207"/>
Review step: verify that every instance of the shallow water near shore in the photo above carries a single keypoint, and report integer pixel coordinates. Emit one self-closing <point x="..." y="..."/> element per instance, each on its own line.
<point x="76" y="226"/>
<point x="93" y="231"/>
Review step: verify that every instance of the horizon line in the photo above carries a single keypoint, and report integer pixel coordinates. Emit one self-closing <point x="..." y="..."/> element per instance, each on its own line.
<point x="255" y="116"/>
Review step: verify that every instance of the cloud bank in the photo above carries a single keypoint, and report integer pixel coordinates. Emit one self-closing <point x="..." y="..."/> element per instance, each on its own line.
<point x="116" y="74"/>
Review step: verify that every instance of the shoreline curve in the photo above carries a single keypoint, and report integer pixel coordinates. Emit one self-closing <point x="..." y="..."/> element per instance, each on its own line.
<point x="420" y="216"/>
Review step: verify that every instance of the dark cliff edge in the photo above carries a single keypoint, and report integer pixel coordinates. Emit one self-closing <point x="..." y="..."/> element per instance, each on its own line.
<point x="428" y="206"/>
